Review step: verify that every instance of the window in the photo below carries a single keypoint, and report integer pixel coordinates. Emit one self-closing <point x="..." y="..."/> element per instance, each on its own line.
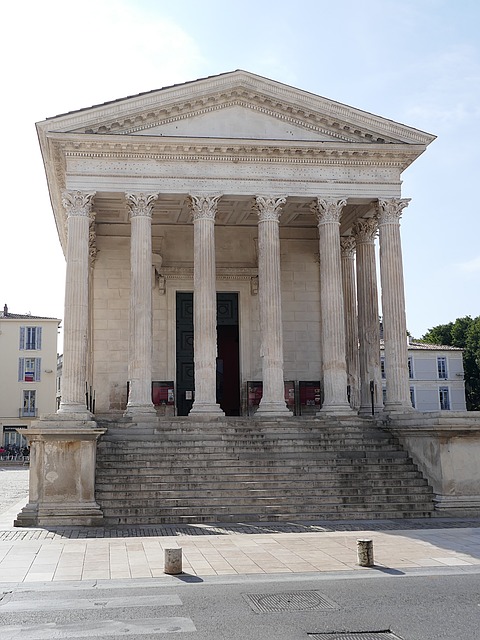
<point x="444" y="398"/>
<point x="382" y="367"/>
<point x="410" y="367"/>
<point x="29" y="369"/>
<point x="30" y="338"/>
<point x="442" y="367"/>
<point x="412" y="396"/>
<point x="384" y="395"/>
<point x="29" y="406"/>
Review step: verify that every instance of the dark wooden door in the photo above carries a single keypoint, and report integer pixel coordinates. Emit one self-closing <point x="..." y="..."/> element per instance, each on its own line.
<point x="185" y="367"/>
<point x="228" y="361"/>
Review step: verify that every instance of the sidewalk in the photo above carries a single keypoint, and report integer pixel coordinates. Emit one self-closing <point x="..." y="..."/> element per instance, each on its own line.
<point x="40" y="555"/>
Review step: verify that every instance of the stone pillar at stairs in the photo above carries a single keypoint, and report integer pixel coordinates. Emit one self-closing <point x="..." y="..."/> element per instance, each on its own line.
<point x="328" y="212"/>
<point x="63" y="446"/>
<point x="273" y="402"/>
<point x="205" y="307"/>
<point x="393" y="305"/>
<point x="365" y="231"/>
<point x="347" y="244"/>
<point x="140" y="356"/>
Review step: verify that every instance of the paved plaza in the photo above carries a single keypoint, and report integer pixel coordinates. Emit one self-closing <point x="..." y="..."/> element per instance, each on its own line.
<point x="57" y="554"/>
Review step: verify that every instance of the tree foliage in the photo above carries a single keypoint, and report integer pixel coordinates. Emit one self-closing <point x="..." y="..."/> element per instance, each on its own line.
<point x="465" y="334"/>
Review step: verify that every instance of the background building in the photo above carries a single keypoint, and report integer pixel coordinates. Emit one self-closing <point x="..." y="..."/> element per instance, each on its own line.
<point x="28" y="357"/>
<point x="436" y="377"/>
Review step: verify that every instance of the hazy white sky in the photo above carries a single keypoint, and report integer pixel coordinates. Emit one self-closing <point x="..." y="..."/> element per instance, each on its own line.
<point x="413" y="61"/>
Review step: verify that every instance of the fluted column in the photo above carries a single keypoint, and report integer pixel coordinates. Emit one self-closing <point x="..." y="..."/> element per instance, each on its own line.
<point x="204" y="209"/>
<point x="140" y="357"/>
<point x="393" y="305"/>
<point x="270" y="303"/>
<point x="365" y="231"/>
<point x="347" y="246"/>
<point x="328" y="213"/>
<point x="75" y="322"/>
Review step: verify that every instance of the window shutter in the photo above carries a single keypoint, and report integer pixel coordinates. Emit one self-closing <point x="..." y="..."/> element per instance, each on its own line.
<point x="38" y="368"/>
<point x="21" y="369"/>
<point x="22" y="338"/>
<point x="39" y="337"/>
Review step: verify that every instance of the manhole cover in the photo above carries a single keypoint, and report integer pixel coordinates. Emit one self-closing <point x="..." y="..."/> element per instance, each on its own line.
<point x="355" y="635"/>
<point x="294" y="601"/>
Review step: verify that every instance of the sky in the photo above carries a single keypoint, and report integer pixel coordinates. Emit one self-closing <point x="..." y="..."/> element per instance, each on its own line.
<point x="413" y="61"/>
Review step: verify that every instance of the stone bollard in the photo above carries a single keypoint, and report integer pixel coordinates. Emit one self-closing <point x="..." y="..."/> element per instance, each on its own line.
<point x="365" y="553"/>
<point x="173" y="561"/>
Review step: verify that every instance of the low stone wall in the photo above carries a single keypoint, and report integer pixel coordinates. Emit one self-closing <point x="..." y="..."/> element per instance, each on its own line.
<point x="446" y="448"/>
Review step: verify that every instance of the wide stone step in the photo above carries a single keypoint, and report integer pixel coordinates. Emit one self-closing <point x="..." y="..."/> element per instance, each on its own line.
<point x="250" y="458"/>
<point x="239" y="438"/>
<point x="259" y="512"/>
<point x="207" y="483"/>
<point x="206" y="496"/>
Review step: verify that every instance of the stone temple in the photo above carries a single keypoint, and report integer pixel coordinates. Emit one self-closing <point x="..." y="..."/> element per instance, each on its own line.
<point x="221" y="307"/>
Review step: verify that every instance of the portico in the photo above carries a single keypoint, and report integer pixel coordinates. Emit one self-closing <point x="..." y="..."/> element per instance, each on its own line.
<point x="240" y="189"/>
<point x="233" y="183"/>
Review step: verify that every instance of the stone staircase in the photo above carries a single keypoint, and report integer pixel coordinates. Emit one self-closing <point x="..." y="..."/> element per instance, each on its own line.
<point x="239" y="470"/>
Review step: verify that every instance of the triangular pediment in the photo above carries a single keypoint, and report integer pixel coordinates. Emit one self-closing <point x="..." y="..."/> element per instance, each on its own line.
<point x="236" y="121"/>
<point x="236" y="105"/>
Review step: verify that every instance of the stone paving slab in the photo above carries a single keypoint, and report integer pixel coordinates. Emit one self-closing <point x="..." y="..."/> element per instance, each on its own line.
<point x="103" y="553"/>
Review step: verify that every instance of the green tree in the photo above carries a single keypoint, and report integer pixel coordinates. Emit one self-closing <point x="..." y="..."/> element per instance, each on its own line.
<point x="465" y="334"/>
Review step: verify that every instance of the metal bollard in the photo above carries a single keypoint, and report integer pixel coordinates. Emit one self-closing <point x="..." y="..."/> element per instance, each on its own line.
<point x="173" y="561"/>
<point x="365" y="553"/>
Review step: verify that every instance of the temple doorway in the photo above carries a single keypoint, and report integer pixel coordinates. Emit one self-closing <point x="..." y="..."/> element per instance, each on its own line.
<point x="228" y="360"/>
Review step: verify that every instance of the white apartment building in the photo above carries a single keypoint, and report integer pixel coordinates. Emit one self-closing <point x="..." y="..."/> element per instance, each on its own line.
<point x="436" y="377"/>
<point x="28" y="365"/>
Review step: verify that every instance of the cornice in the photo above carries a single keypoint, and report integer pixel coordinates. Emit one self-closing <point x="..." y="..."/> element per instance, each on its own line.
<point x="222" y="273"/>
<point x="299" y="107"/>
<point x="221" y="150"/>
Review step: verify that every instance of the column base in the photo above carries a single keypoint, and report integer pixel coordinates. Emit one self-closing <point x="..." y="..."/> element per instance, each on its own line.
<point x="367" y="411"/>
<point x="135" y="410"/>
<point x="336" y="409"/>
<point x="397" y="408"/>
<point x="73" y="412"/>
<point x="206" y="410"/>
<point x="272" y="410"/>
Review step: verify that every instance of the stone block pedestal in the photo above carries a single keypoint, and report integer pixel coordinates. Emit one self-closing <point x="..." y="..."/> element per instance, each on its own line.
<point x="62" y="472"/>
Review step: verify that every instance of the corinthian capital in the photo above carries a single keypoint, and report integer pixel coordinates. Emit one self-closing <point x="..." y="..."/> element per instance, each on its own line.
<point x="203" y="207"/>
<point x="347" y="246"/>
<point x="140" y="204"/>
<point x="78" y="203"/>
<point x="365" y="230"/>
<point x="389" y="211"/>
<point x="328" y="209"/>
<point x="269" y="208"/>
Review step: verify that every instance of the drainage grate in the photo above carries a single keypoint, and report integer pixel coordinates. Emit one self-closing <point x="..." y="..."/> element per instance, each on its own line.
<point x="355" y="635"/>
<point x="294" y="601"/>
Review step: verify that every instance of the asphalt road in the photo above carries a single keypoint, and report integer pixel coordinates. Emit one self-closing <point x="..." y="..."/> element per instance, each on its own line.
<point x="418" y="605"/>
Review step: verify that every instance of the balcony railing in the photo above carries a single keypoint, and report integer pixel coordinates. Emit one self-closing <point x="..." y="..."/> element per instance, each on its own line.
<point x="27" y="413"/>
